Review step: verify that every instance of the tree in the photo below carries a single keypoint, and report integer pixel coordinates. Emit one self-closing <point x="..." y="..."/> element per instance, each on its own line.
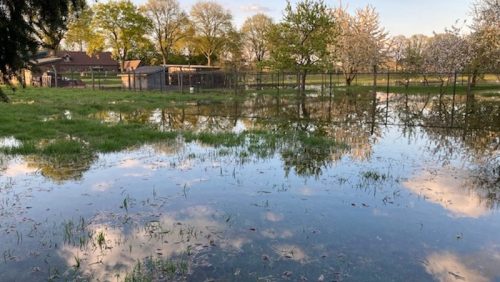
<point x="446" y="53"/>
<point x="18" y="38"/>
<point x="255" y="30"/>
<point x="170" y="24"/>
<point x="122" y="26"/>
<point x="397" y="49"/>
<point x="362" y="42"/>
<point x="211" y="23"/>
<point x="81" y="34"/>
<point x="231" y="53"/>
<point x="299" y="42"/>
<point x="51" y="33"/>
<point x="145" y="51"/>
<point x="414" y="52"/>
<point x="485" y="37"/>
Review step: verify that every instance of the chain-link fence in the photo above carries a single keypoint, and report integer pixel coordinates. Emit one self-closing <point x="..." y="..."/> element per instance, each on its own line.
<point x="230" y="81"/>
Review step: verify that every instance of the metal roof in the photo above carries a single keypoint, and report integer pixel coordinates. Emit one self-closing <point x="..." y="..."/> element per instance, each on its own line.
<point x="45" y="61"/>
<point x="143" y="70"/>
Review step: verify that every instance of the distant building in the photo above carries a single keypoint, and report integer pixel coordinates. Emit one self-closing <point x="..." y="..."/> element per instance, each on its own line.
<point x="144" y="78"/>
<point x="195" y="75"/>
<point x="172" y="77"/>
<point x="189" y="68"/>
<point x="65" y="68"/>
<point x="79" y="61"/>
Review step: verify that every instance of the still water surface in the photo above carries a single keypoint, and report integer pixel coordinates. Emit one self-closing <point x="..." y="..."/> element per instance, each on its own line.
<point x="408" y="191"/>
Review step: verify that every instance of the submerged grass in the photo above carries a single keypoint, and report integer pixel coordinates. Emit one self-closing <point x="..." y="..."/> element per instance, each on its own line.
<point x="158" y="269"/>
<point x="57" y="128"/>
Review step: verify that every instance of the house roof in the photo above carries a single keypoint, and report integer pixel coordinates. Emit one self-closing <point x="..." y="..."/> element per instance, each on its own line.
<point x="77" y="58"/>
<point x="46" y="61"/>
<point x="132" y="64"/>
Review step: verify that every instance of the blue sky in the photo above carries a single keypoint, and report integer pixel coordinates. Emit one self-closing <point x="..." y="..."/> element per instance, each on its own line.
<point x="405" y="17"/>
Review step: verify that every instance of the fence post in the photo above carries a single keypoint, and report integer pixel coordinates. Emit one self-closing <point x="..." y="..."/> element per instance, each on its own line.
<point x="235" y="82"/>
<point x="387" y="98"/>
<point x="178" y="81"/>
<point x="92" y="74"/>
<point x="388" y="79"/>
<point x="162" y="77"/>
<point x="453" y="101"/>
<point x="182" y="81"/>
<point x="128" y="85"/>
<point x="322" y="84"/>
<point x="134" y="79"/>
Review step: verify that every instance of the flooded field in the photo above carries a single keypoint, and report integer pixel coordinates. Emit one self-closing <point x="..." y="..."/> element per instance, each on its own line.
<point x="386" y="187"/>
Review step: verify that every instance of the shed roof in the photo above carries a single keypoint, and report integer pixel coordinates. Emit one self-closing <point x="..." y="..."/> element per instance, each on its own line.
<point x="131" y="64"/>
<point x="193" y="66"/>
<point x="143" y="71"/>
<point x="148" y="69"/>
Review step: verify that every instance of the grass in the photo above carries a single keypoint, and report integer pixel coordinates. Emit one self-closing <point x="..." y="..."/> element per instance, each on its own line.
<point x="374" y="176"/>
<point x="35" y="117"/>
<point x="157" y="269"/>
<point x="60" y="132"/>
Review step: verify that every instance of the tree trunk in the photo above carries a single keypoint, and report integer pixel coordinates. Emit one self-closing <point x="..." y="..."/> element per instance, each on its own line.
<point x="303" y="84"/>
<point x="474" y="79"/>
<point x="209" y="61"/>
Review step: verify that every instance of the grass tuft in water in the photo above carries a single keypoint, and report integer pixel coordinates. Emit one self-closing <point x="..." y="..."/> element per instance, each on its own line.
<point x="374" y="176"/>
<point x="157" y="269"/>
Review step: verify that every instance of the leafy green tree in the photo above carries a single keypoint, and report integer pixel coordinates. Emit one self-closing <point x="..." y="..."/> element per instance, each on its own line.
<point x="170" y="24"/>
<point x="51" y="33"/>
<point x="211" y="23"/>
<point x="299" y="42"/>
<point x="122" y="25"/>
<point x="255" y="30"/>
<point x="18" y="34"/>
<point x="145" y="51"/>
<point x="232" y="53"/>
<point x="82" y="35"/>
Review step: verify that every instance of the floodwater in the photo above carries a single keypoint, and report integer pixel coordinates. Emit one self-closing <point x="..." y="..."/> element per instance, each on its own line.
<point x="407" y="190"/>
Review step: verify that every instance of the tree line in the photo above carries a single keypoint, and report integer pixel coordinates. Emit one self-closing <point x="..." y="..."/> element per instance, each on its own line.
<point x="311" y="36"/>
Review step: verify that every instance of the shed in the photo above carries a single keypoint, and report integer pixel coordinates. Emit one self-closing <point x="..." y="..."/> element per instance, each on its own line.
<point x="144" y="78"/>
<point x="195" y="75"/>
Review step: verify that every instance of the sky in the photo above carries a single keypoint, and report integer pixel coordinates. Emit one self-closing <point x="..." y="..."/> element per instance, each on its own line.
<point x="406" y="17"/>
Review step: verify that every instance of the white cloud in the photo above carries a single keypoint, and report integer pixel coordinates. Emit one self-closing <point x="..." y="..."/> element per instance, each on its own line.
<point x="129" y="163"/>
<point x="102" y="186"/>
<point x="17" y="169"/>
<point x="254" y="8"/>
<point x="451" y="190"/>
